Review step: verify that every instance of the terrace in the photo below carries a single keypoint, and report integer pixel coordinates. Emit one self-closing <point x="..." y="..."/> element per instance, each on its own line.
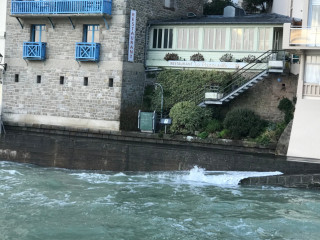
<point x="63" y="7"/>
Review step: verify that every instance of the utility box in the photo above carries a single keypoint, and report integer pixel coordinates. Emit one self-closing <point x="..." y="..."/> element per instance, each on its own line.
<point x="147" y="121"/>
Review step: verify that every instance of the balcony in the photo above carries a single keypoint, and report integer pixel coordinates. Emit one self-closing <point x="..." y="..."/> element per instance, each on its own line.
<point x="51" y="7"/>
<point x="34" y="51"/>
<point x="299" y="38"/>
<point x="88" y="52"/>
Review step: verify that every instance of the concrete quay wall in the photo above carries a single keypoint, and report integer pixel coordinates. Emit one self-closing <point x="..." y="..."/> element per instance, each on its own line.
<point x="310" y="181"/>
<point x="119" y="151"/>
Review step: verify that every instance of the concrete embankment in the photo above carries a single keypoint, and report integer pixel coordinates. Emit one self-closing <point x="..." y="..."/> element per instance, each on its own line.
<point x="125" y="151"/>
<point x="310" y="181"/>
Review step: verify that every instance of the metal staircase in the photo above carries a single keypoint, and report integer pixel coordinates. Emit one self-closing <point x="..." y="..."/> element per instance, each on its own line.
<point x="271" y="61"/>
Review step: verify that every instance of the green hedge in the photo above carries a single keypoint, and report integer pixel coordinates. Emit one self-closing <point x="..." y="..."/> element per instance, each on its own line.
<point x="187" y="117"/>
<point x="180" y="85"/>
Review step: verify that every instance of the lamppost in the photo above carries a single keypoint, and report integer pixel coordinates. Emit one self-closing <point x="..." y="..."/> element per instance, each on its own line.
<point x="3" y="65"/>
<point x="158" y="84"/>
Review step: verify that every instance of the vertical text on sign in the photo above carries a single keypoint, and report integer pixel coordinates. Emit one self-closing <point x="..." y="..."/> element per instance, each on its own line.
<point x="132" y="35"/>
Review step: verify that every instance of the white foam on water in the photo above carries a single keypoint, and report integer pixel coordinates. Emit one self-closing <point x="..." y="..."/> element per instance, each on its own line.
<point x="92" y="177"/>
<point x="199" y="176"/>
<point x="120" y="175"/>
<point x="11" y="172"/>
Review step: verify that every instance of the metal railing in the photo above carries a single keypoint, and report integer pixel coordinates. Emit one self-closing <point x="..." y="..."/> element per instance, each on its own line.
<point x="87" y="51"/>
<point x="250" y="71"/>
<point x="61" y="7"/>
<point x="34" y="50"/>
<point x="305" y="36"/>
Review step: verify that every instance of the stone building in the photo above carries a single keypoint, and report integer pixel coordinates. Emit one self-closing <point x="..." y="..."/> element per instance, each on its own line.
<point x="68" y="60"/>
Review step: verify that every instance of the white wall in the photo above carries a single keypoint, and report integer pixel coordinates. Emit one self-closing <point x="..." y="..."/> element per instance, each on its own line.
<point x="3" y="9"/>
<point x="291" y="8"/>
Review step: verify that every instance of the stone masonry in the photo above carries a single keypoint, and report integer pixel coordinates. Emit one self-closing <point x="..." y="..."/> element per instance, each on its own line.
<point x="97" y="105"/>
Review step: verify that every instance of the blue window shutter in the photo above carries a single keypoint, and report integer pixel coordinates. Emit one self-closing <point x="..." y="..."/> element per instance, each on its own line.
<point x="85" y="33"/>
<point x="33" y="33"/>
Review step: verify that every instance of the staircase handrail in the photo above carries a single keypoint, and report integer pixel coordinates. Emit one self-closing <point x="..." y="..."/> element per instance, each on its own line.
<point x="236" y="75"/>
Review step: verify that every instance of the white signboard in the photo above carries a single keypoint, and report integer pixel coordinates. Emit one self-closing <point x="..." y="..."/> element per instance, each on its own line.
<point x="201" y="64"/>
<point x="132" y="35"/>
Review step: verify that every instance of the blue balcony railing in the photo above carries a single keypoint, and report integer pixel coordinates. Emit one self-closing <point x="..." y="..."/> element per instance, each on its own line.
<point x="34" y="50"/>
<point x="30" y="7"/>
<point x="88" y="51"/>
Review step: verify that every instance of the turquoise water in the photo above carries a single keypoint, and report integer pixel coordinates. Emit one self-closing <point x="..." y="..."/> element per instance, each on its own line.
<point x="49" y="203"/>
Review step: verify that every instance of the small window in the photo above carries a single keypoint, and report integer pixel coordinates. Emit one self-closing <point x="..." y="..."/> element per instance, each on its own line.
<point x="110" y="82"/>
<point x="85" y="81"/>
<point x="16" y="77"/>
<point x="38" y="33"/>
<point x="39" y="79"/>
<point x="61" y="80"/>
<point x="162" y="38"/>
<point x="91" y="33"/>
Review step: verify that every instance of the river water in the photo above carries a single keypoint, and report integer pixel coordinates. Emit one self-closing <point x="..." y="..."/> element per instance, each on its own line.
<point x="50" y="203"/>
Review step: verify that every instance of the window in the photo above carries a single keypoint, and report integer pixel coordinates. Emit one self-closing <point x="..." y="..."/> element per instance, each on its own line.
<point x="39" y="79"/>
<point x="312" y="69"/>
<point x="242" y="39"/>
<point x="61" y="80"/>
<point x="169" y="3"/>
<point x="110" y="82"/>
<point x="38" y="33"/>
<point x="91" y="33"/>
<point x="264" y="39"/>
<point x="188" y="38"/>
<point x="162" y="38"/>
<point x="314" y="15"/>
<point x="214" y="38"/>
<point x="16" y="77"/>
<point x="85" y="81"/>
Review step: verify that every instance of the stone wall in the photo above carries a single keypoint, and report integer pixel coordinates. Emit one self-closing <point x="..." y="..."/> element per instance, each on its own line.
<point x="121" y="151"/>
<point x="263" y="98"/>
<point x="72" y="103"/>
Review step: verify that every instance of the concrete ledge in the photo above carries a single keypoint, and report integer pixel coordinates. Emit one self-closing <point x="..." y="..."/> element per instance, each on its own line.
<point x="309" y="181"/>
<point x="236" y="145"/>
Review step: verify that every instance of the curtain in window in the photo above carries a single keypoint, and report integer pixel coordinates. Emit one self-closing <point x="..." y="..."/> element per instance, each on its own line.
<point x="312" y="69"/>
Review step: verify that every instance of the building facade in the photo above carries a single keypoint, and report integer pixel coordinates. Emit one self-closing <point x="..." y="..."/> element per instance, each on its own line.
<point x="304" y="39"/>
<point x="68" y="60"/>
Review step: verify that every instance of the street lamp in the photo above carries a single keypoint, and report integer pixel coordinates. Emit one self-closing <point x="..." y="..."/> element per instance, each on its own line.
<point x="4" y="65"/>
<point x="158" y="84"/>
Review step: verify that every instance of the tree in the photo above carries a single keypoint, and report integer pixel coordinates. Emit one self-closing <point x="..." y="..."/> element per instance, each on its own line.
<point x="216" y="7"/>
<point x="257" y="6"/>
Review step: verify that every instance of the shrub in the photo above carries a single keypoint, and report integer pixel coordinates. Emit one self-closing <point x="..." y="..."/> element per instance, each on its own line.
<point x="228" y="57"/>
<point x="287" y="107"/>
<point x="187" y="117"/>
<point x="224" y="133"/>
<point x="214" y="125"/>
<point x="249" y="59"/>
<point x="242" y="123"/>
<point x="203" y="135"/>
<point x="171" y="56"/>
<point x="197" y="57"/>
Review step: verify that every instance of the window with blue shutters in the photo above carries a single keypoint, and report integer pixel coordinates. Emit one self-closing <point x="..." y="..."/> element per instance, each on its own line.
<point x="91" y="33"/>
<point x="38" y="33"/>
